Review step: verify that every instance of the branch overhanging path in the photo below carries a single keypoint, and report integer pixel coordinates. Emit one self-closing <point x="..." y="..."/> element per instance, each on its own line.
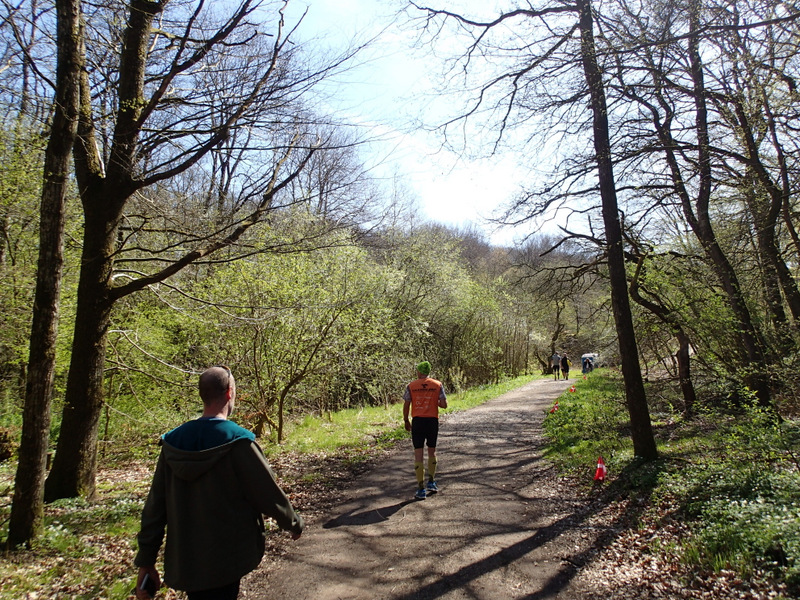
<point x="503" y="526"/>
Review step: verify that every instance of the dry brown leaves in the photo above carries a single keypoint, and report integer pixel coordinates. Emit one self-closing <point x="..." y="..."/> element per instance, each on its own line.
<point x="642" y="561"/>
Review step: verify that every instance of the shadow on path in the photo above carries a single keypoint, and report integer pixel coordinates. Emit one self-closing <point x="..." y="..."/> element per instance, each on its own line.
<point x="368" y="517"/>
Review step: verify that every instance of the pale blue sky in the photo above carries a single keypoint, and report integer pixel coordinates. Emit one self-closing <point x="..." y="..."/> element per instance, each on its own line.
<point x="392" y="88"/>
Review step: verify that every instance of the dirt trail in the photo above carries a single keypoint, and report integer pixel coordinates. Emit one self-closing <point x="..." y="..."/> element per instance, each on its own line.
<point x="503" y="526"/>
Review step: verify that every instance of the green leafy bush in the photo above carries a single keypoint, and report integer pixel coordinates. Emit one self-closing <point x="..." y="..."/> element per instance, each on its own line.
<point x="742" y="498"/>
<point x="745" y="535"/>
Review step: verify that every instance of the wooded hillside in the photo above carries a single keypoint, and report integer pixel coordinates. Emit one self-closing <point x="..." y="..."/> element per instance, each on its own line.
<point x="211" y="213"/>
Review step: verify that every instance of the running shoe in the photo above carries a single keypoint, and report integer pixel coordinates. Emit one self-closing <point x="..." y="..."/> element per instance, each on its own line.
<point x="432" y="487"/>
<point x="420" y="495"/>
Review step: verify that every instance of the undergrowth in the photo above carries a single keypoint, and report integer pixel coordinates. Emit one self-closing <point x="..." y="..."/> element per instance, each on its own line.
<point x="730" y="472"/>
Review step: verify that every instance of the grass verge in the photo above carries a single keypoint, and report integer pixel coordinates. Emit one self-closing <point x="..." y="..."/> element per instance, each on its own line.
<point x="726" y="485"/>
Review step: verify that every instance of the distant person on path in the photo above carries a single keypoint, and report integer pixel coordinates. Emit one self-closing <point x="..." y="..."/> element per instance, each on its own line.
<point x="423" y="398"/>
<point x="565" y="364"/>
<point x="555" y="363"/>
<point x="210" y="490"/>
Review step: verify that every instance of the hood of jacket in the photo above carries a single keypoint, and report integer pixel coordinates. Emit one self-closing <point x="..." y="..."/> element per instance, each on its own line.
<point x="190" y="465"/>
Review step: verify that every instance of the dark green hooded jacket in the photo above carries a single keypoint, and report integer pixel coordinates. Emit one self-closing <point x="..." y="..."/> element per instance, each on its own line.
<point x="211" y="487"/>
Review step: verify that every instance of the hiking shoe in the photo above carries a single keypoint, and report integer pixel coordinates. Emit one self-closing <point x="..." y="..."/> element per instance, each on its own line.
<point x="432" y="487"/>
<point x="420" y="495"/>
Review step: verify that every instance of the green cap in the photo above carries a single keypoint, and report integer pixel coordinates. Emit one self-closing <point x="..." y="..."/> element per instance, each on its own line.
<point x="424" y="367"/>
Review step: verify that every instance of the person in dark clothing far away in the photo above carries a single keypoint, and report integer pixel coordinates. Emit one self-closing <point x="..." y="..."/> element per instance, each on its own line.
<point x="210" y="490"/>
<point x="565" y="365"/>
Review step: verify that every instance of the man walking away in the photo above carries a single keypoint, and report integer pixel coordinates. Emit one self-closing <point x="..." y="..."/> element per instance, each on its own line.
<point x="555" y="363"/>
<point x="423" y="398"/>
<point x="211" y="487"/>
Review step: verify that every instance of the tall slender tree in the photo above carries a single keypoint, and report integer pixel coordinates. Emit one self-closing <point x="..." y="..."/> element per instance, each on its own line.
<point x="542" y="60"/>
<point x="27" y="507"/>
<point x="644" y="444"/>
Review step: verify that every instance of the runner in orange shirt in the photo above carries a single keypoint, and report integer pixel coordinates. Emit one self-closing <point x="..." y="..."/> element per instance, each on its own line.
<point x="423" y="398"/>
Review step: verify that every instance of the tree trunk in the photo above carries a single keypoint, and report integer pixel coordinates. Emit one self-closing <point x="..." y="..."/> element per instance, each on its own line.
<point x="103" y="197"/>
<point x="644" y="444"/>
<point x="685" y="374"/>
<point x="27" y="507"/>
<point x="766" y="212"/>
<point x="769" y="256"/>
<point x="75" y="462"/>
<point x="700" y="221"/>
<point x="784" y="190"/>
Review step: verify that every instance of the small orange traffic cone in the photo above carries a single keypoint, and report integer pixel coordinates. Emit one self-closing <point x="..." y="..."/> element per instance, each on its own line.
<point x="555" y="407"/>
<point x="572" y="389"/>
<point x="600" y="473"/>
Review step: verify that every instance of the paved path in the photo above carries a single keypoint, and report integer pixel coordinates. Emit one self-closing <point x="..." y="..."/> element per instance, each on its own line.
<point x="504" y="525"/>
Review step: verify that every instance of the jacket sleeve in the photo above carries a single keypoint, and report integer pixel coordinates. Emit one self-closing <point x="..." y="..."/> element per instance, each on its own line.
<point x="154" y="520"/>
<point x="261" y="488"/>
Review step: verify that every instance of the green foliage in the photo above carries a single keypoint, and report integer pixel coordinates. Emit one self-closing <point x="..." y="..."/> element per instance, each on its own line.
<point x="560" y="304"/>
<point x="21" y="163"/>
<point x="85" y="551"/>
<point x="743" y="496"/>
<point x="151" y="379"/>
<point x="732" y="474"/>
<point x="79" y="517"/>
<point x="20" y="181"/>
<point x="462" y="324"/>
<point x="747" y="525"/>
<point x="348" y="427"/>
<point x="785" y="380"/>
<point x="374" y="425"/>
<point x="306" y="332"/>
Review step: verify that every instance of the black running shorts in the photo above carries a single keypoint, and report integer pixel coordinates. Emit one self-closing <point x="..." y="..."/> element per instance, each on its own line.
<point x="424" y="429"/>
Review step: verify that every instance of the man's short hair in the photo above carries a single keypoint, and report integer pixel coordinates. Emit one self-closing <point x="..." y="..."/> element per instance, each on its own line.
<point x="214" y="382"/>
